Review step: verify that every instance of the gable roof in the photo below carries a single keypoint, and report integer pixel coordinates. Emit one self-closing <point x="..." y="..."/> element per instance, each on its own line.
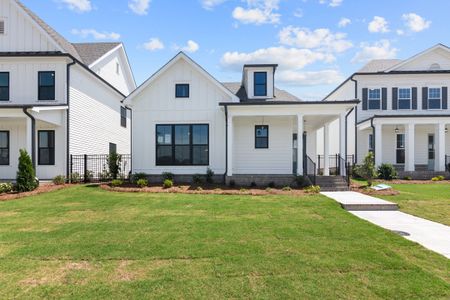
<point x="379" y="65"/>
<point x="237" y="89"/>
<point x="175" y="59"/>
<point x="91" y="52"/>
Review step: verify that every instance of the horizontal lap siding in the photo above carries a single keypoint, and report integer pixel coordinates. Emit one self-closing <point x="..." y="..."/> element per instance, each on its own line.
<point x="275" y="160"/>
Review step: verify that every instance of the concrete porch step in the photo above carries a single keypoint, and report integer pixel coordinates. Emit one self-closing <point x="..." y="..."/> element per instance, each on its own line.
<point x="332" y="183"/>
<point x="353" y="201"/>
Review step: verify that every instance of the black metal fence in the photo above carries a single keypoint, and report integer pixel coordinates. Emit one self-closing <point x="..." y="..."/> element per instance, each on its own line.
<point x="310" y="170"/>
<point x="96" y="168"/>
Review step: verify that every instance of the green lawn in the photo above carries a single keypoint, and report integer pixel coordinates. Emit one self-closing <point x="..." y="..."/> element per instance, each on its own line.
<point x="85" y="243"/>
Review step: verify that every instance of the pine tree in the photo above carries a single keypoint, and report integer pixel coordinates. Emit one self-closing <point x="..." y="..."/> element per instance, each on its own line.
<point x="26" y="175"/>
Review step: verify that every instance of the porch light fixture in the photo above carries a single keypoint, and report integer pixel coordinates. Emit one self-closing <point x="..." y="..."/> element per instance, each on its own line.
<point x="397" y="130"/>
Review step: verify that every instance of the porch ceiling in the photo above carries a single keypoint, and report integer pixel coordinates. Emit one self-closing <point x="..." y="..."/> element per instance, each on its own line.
<point x="314" y="122"/>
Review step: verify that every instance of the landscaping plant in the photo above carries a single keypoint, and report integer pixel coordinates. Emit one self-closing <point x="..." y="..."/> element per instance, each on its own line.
<point x="75" y="178"/>
<point x="59" y="180"/>
<point x="114" y="164"/>
<point x="197" y="179"/>
<point x="367" y="170"/>
<point x="142" y="183"/>
<point x="168" y="184"/>
<point x="313" y="189"/>
<point x="209" y="176"/>
<point x="438" y="178"/>
<point x="387" y="172"/>
<point x="136" y="177"/>
<point x="6" y="188"/>
<point x="116" y="183"/>
<point x="26" y="175"/>
<point x="167" y="175"/>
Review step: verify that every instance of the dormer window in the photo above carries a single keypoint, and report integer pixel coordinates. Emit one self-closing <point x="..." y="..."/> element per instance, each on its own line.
<point x="182" y="90"/>
<point x="260" y="84"/>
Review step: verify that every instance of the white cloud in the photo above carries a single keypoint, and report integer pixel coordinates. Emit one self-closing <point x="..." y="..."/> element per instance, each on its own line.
<point x="154" y="44"/>
<point x="400" y="31"/>
<point x="258" y="12"/>
<point x="210" y="4"/>
<point x="298" y="13"/>
<point x="190" y="47"/>
<point x="299" y="78"/>
<point x="85" y="33"/>
<point x="415" y="22"/>
<point x="378" y="50"/>
<point x="332" y="3"/>
<point x="139" y="7"/>
<point x="344" y="22"/>
<point x="378" y="24"/>
<point x="78" y="5"/>
<point x="321" y="38"/>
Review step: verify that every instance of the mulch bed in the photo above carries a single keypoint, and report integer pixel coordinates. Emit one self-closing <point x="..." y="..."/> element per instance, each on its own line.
<point x="368" y="191"/>
<point x="43" y="188"/>
<point x="205" y="190"/>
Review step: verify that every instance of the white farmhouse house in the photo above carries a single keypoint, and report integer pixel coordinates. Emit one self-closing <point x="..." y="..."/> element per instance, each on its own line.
<point x="404" y="114"/>
<point x="58" y="98"/>
<point x="185" y="121"/>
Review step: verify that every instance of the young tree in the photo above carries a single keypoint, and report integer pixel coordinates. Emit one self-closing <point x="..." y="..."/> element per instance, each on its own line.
<point x="367" y="170"/>
<point x="114" y="164"/>
<point x="26" y="175"/>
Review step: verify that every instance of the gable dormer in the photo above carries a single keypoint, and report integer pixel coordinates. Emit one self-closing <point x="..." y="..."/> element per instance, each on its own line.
<point x="258" y="81"/>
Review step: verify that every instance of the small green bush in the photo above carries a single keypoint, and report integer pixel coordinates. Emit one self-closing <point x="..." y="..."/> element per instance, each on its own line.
<point x="286" y="189"/>
<point x="407" y="178"/>
<point x="197" y="179"/>
<point x="253" y="184"/>
<point x="243" y="190"/>
<point x="269" y="190"/>
<point x="26" y="175"/>
<point x="116" y="183"/>
<point x="142" y="183"/>
<point x="199" y="189"/>
<point x="301" y="181"/>
<point x="271" y="184"/>
<point x="104" y="176"/>
<point x="136" y="177"/>
<point x="209" y="176"/>
<point x="438" y="178"/>
<point x="313" y="189"/>
<point x="75" y="178"/>
<point x="387" y="172"/>
<point x="367" y="169"/>
<point x="6" y="188"/>
<point x="59" y="180"/>
<point x="168" y="175"/>
<point x="168" y="184"/>
<point x="232" y="183"/>
<point x="89" y="176"/>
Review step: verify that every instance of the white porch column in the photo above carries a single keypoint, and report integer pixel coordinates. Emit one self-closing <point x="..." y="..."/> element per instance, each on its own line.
<point x="28" y="136"/>
<point x="410" y="147"/>
<point x="342" y="142"/>
<point x="378" y="145"/>
<point x="440" y="147"/>
<point x="300" y="154"/>
<point x="326" y="150"/>
<point x="230" y="145"/>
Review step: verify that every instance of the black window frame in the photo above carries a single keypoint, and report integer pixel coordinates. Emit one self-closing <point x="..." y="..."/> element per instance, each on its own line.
<point x="371" y="101"/>
<point x="7" y="148"/>
<point x="432" y="100"/>
<point x="123" y="116"/>
<point x="183" y="85"/>
<point x="400" y="148"/>
<point x="112" y="148"/>
<point x="173" y="145"/>
<point x="40" y="87"/>
<point x="371" y="143"/>
<point x="261" y="138"/>
<point x="259" y="84"/>
<point x="7" y="87"/>
<point x="50" y="148"/>
<point x="402" y="100"/>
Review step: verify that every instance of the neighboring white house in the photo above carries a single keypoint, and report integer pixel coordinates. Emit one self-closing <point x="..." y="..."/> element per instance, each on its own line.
<point x="58" y="98"/>
<point x="185" y="121"/>
<point x="404" y="114"/>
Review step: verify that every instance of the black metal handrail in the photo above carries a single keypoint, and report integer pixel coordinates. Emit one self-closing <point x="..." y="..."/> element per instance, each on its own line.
<point x="310" y="170"/>
<point x="336" y="163"/>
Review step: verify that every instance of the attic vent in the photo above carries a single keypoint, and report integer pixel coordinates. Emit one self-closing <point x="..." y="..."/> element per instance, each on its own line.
<point x="2" y="27"/>
<point x="435" y="67"/>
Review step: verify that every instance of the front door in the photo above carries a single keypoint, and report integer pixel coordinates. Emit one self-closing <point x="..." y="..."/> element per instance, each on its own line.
<point x="431" y="152"/>
<point x="294" y="154"/>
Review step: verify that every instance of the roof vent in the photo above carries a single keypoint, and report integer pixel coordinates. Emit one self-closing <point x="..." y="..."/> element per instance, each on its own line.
<point x="435" y="67"/>
<point x="2" y="27"/>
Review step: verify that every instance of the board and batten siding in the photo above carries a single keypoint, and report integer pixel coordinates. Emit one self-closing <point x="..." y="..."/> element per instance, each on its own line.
<point x="156" y="104"/>
<point x="95" y="116"/>
<point x="17" y="140"/>
<point x="20" y="33"/>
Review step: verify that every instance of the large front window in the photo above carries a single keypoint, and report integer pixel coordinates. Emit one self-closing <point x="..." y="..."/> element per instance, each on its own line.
<point x="260" y="82"/>
<point x="261" y="137"/>
<point x="434" y="98"/>
<point x="46" y="147"/>
<point x="404" y="98"/>
<point x="374" y="98"/>
<point x="182" y="145"/>
<point x="400" y="155"/>
<point x="4" y="86"/>
<point x="46" y="85"/>
<point x="4" y="148"/>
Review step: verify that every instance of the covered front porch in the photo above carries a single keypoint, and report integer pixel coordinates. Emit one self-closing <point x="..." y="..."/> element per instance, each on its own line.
<point x="271" y="142"/>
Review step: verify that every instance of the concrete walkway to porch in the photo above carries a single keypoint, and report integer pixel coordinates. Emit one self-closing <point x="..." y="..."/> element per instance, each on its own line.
<point x="431" y="235"/>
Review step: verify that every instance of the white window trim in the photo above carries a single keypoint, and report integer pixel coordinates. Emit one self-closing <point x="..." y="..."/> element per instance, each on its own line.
<point x="428" y="98"/>
<point x="410" y="98"/>
<point x="379" y="99"/>
<point x="175" y="82"/>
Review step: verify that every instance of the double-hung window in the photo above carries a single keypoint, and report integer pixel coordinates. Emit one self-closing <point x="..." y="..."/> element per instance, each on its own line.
<point x="182" y="90"/>
<point x="261" y="137"/>
<point x="46" y="147"/>
<point x="374" y="98"/>
<point x="4" y="148"/>
<point x="434" y="98"/>
<point x="260" y="84"/>
<point x="371" y="143"/>
<point x="123" y="117"/>
<point x="4" y="86"/>
<point x="182" y="145"/>
<point x="404" y="98"/>
<point x="46" y="82"/>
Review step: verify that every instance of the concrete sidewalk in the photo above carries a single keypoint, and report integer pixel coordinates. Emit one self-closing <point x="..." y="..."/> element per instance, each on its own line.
<point x="358" y="201"/>
<point x="431" y="235"/>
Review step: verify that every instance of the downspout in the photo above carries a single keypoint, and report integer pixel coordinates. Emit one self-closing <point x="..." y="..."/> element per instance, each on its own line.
<point x="356" y="119"/>
<point x="68" y="120"/>
<point x="33" y="136"/>
<point x="226" y="144"/>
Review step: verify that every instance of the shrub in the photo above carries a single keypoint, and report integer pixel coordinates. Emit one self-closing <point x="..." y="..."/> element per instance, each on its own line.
<point x="253" y="184"/>
<point x="6" y="188"/>
<point x="89" y="176"/>
<point x="142" y="183"/>
<point x="269" y="190"/>
<point x="197" y="179"/>
<point x="168" y="184"/>
<point x="136" y="177"/>
<point x="59" y="180"/>
<point x="243" y="190"/>
<point x="286" y="189"/>
<point x="387" y="172"/>
<point x="209" y="176"/>
<point x="313" y="189"/>
<point x="271" y="184"/>
<point x="167" y="175"/>
<point x="199" y="189"/>
<point x="301" y="181"/>
<point x="407" y="178"/>
<point x="232" y="183"/>
<point x="26" y="176"/>
<point x="114" y="161"/>
<point x="104" y="175"/>
<point x="438" y="178"/>
<point x="367" y="169"/>
<point x="75" y="178"/>
<point x="116" y="183"/>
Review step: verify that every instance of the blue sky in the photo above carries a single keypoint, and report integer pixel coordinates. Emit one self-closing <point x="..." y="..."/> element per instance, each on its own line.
<point x="317" y="43"/>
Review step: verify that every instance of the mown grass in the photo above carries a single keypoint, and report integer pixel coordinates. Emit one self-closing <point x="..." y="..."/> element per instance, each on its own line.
<point x="85" y="243"/>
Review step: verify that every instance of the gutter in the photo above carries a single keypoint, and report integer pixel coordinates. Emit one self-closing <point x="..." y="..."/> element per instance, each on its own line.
<point x="287" y="103"/>
<point x="33" y="136"/>
<point x="226" y="144"/>
<point x="68" y="120"/>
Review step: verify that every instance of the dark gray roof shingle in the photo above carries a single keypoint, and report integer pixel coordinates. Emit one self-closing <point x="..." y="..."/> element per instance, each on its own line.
<point x="379" y="65"/>
<point x="237" y="89"/>
<point x="90" y="52"/>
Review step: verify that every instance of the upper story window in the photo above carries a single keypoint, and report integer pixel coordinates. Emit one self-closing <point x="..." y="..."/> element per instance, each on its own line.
<point x="260" y="84"/>
<point x="4" y="148"/>
<point x="404" y="98"/>
<point x="4" y="86"/>
<point x="46" y="85"/>
<point x="182" y="90"/>
<point x="261" y="137"/>
<point x="374" y="98"/>
<point x="2" y="27"/>
<point x="123" y="117"/>
<point x="434" y="98"/>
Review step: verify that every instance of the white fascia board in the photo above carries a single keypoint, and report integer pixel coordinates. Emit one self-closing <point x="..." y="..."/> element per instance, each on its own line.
<point x="38" y="109"/>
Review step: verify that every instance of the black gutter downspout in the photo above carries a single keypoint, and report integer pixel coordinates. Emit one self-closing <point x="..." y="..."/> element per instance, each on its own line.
<point x="356" y="119"/>
<point x="33" y="136"/>
<point x="226" y="145"/>
<point x="68" y="120"/>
